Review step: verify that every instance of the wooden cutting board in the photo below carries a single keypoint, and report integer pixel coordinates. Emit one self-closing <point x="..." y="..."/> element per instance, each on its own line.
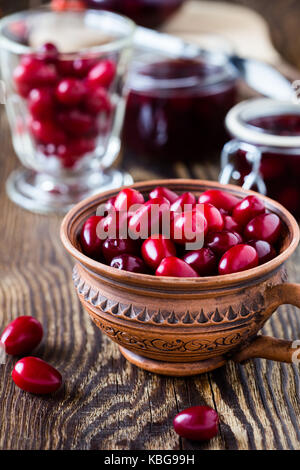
<point x="239" y="27"/>
<point x="210" y="24"/>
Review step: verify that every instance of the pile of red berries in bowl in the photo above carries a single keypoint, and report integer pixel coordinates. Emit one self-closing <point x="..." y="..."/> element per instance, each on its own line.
<point x="67" y="101"/>
<point x="182" y="235"/>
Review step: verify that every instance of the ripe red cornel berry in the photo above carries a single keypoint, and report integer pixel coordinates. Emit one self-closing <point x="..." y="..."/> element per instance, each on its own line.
<point x="173" y="266"/>
<point x="129" y="263"/>
<point x="247" y="209"/>
<point x="204" y="261"/>
<point x="198" y="423"/>
<point x="156" y="248"/>
<point x="238" y="258"/>
<point x="160" y="191"/>
<point x="34" y="375"/>
<point x="219" y="199"/>
<point x="22" y="335"/>
<point x="89" y="239"/>
<point x="112" y="247"/>
<point x="65" y="98"/>
<point x="264" y="227"/>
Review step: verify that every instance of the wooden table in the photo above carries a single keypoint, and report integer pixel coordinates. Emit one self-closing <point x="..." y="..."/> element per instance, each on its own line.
<point x="105" y="403"/>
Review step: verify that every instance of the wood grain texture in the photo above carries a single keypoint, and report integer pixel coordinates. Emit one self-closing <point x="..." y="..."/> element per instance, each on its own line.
<point x="105" y="403"/>
<point x="281" y="16"/>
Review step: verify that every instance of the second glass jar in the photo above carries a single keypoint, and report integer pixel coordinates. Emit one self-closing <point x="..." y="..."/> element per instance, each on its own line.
<point x="178" y="106"/>
<point x="264" y="153"/>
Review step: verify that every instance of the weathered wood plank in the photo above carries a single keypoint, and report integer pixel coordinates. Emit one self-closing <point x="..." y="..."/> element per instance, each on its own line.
<point x="105" y="402"/>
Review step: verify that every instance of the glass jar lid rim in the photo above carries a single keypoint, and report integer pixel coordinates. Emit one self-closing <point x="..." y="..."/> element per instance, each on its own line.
<point x="223" y="72"/>
<point x="237" y="122"/>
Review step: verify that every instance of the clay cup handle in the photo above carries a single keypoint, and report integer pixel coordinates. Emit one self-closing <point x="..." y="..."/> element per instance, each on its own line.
<point x="267" y="347"/>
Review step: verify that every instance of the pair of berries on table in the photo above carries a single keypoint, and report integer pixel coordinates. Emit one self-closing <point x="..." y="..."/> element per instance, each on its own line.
<point x="66" y="101"/>
<point x="236" y="234"/>
<point x="31" y="374"/>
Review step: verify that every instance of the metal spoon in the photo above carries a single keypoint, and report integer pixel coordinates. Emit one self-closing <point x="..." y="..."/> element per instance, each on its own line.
<point x="258" y="75"/>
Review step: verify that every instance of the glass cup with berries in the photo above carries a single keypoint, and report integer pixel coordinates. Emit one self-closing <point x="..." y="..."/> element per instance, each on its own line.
<point x="64" y="73"/>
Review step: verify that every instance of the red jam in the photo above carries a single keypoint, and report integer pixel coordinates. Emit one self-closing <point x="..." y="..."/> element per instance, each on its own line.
<point x="280" y="167"/>
<point x="286" y="124"/>
<point x="150" y="13"/>
<point x="177" y="107"/>
<point x="157" y="237"/>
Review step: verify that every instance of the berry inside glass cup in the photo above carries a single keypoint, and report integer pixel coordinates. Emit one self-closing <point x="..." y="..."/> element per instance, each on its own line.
<point x="178" y="105"/>
<point x="65" y="109"/>
<point x="187" y="240"/>
<point x="265" y="151"/>
<point x="65" y="102"/>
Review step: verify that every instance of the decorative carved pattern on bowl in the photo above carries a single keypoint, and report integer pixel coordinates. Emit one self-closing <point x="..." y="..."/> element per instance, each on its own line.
<point x="142" y="314"/>
<point x="202" y="347"/>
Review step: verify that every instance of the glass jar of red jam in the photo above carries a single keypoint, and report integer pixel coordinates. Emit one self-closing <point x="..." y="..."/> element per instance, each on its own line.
<point x="176" y="107"/>
<point x="150" y="13"/>
<point x="264" y="153"/>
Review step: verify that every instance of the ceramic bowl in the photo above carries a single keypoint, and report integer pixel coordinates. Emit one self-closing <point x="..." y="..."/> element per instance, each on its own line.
<point x="185" y="326"/>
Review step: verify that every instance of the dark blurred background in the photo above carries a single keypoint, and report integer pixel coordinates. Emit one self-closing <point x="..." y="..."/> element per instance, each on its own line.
<point x="282" y="16"/>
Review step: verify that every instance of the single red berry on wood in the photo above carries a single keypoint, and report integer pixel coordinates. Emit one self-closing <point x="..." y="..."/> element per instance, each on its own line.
<point x="22" y="335"/>
<point x="198" y="423"/>
<point x="36" y="376"/>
